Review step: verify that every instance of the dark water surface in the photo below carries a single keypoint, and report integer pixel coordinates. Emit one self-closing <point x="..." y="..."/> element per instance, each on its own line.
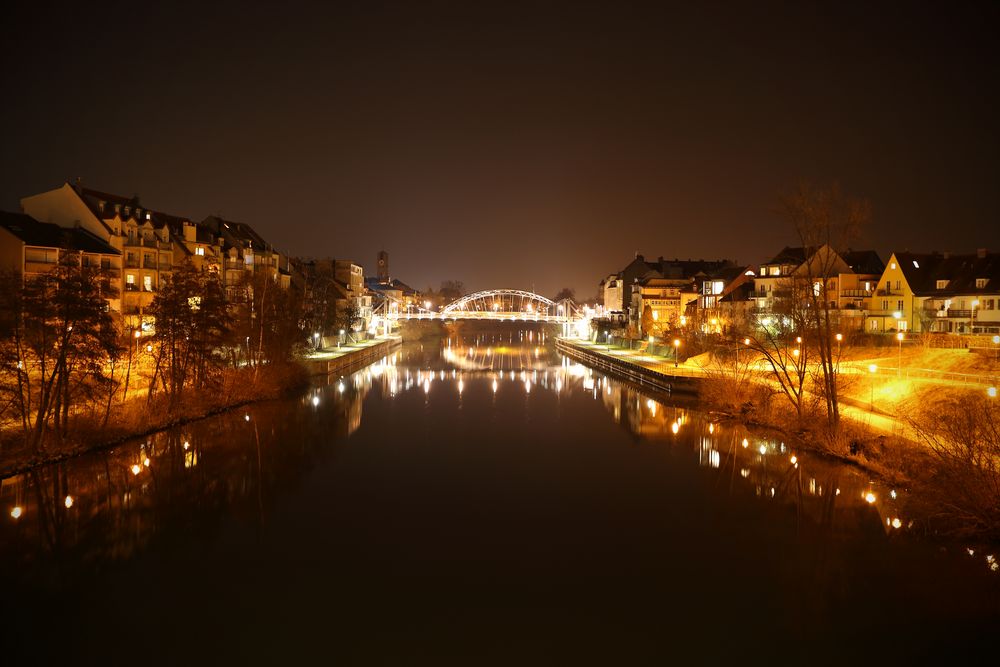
<point x="477" y="501"/>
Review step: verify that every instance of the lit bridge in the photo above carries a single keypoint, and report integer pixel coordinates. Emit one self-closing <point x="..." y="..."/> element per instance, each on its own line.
<point x="502" y="305"/>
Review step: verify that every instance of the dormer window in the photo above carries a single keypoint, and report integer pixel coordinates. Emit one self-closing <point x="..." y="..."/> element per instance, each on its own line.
<point x="126" y="211"/>
<point x="199" y="251"/>
<point x="148" y="216"/>
<point x="942" y="284"/>
<point x="981" y="282"/>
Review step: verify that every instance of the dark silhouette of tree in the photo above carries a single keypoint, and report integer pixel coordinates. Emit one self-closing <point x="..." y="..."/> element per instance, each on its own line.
<point x="57" y="339"/>
<point x="451" y="290"/>
<point x="191" y="329"/>
<point x="826" y="222"/>
<point x="565" y="293"/>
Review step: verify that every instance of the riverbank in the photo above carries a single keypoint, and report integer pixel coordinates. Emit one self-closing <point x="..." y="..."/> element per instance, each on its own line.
<point x="906" y="452"/>
<point x="139" y="417"/>
<point x="349" y="357"/>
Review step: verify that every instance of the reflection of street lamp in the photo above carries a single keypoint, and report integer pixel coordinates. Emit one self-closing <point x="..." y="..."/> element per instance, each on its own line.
<point x="899" y="338"/>
<point x="677" y="344"/>
<point x="872" y="368"/>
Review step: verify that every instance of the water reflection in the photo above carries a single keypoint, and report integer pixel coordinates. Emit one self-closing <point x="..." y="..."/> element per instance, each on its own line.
<point x="62" y="519"/>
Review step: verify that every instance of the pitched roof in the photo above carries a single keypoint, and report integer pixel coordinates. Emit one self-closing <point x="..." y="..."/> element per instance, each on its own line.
<point x="49" y="235"/>
<point x="790" y="255"/>
<point x="924" y="270"/>
<point x="864" y="261"/>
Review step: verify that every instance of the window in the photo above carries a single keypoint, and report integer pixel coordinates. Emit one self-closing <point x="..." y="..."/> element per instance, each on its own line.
<point x="199" y="251"/>
<point x="897" y="284"/>
<point x="988" y="304"/>
<point x="942" y="284"/>
<point x="775" y="270"/>
<point x="129" y="282"/>
<point x="147" y="283"/>
<point x="817" y="288"/>
<point x="893" y="266"/>
<point x="899" y="305"/>
<point x="874" y="324"/>
<point x="885" y="304"/>
<point x="981" y="283"/>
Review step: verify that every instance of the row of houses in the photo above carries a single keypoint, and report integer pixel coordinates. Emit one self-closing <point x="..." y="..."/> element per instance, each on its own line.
<point x="138" y="248"/>
<point x="912" y="292"/>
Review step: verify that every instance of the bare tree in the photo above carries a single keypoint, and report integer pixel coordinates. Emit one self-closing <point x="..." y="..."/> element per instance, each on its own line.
<point x="826" y="222"/>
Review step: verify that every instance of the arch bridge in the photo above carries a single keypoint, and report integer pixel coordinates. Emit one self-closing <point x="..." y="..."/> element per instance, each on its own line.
<point x="510" y="305"/>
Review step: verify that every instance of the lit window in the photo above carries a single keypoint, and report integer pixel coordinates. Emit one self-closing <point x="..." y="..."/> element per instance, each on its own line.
<point x="916" y="264"/>
<point x="893" y="266"/>
<point x="199" y="251"/>
<point x="129" y="279"/>
<point x="981" y="283"/>
<point x="147" y="283"/>
<point x="942" y="284"/>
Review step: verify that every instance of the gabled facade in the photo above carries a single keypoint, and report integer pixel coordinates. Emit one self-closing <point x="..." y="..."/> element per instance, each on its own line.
<point x="934" y="292"/>
<point x="33" y="248"/>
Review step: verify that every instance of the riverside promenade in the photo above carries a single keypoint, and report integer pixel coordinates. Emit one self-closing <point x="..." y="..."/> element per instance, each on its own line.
<point x="643" y="368"/>
<point x="652" y="370"/>
<point x="349" y="357"/>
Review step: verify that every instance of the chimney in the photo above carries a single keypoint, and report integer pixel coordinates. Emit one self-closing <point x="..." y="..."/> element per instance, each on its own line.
<point x="79" y="186"/>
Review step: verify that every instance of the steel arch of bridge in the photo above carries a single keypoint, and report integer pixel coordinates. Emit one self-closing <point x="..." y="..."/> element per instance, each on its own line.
<point x="500" y="302"/>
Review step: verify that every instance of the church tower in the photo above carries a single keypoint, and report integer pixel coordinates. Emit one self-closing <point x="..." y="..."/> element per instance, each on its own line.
<point x="383" y="266"/>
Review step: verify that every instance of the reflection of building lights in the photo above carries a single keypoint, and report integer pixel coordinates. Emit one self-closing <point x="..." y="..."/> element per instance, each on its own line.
<point x="16" y="512"/>
<point x="711" y="428"/>
<point x="187" y="445"/>
<point x="145" y="462"/>
<point x="892" y="494"/>
<point x="896" y="523"/>
<point x="494" y="386"/>
<point x="675" y="427"/>
<point x="68" y="502"/>
<point x="461" y="386"/>
<point x="315" y="400"/>
<point x="746" y="443"/>
<point x="794" y="459"/>
<point x="870" y="498"/>
<point x="763" y="449"/>
<point x="136" y="468"/>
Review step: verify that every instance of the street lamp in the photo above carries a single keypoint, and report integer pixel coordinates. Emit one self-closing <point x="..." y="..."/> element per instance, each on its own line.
<point x="316" y="340"/>
<point x="840" y="337"/>
<point x="872" y="368"/>
<point x="899" y="338"/>
<point x="677" y="344"/>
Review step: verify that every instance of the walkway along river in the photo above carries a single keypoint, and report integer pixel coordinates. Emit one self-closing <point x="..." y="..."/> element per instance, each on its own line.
<point x="476" y="499"/>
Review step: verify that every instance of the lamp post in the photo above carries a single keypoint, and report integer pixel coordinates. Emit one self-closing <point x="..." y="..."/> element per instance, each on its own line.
<point x="872" y="368"/>
<point x="972" y="329"/>
<point x="677" y="344"/>
<point x="996" y="347"/>
<point x="899" y="339"/>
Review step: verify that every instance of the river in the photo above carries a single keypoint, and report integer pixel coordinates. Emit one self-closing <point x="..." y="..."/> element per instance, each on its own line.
<point x="477" y="499"/>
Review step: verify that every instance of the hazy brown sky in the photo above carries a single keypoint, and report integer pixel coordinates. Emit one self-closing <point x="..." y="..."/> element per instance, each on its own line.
<point x="532" y="145"/>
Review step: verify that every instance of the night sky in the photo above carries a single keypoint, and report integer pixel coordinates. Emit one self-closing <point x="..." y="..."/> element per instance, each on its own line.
<point x="534" y="145"/>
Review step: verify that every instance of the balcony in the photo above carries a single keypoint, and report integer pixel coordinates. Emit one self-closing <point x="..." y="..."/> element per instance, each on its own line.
<point x="132" y="242"/>
<point x="855" y="293"/>
<point x="886" y="291"/>
<point x="959" y="313"/>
